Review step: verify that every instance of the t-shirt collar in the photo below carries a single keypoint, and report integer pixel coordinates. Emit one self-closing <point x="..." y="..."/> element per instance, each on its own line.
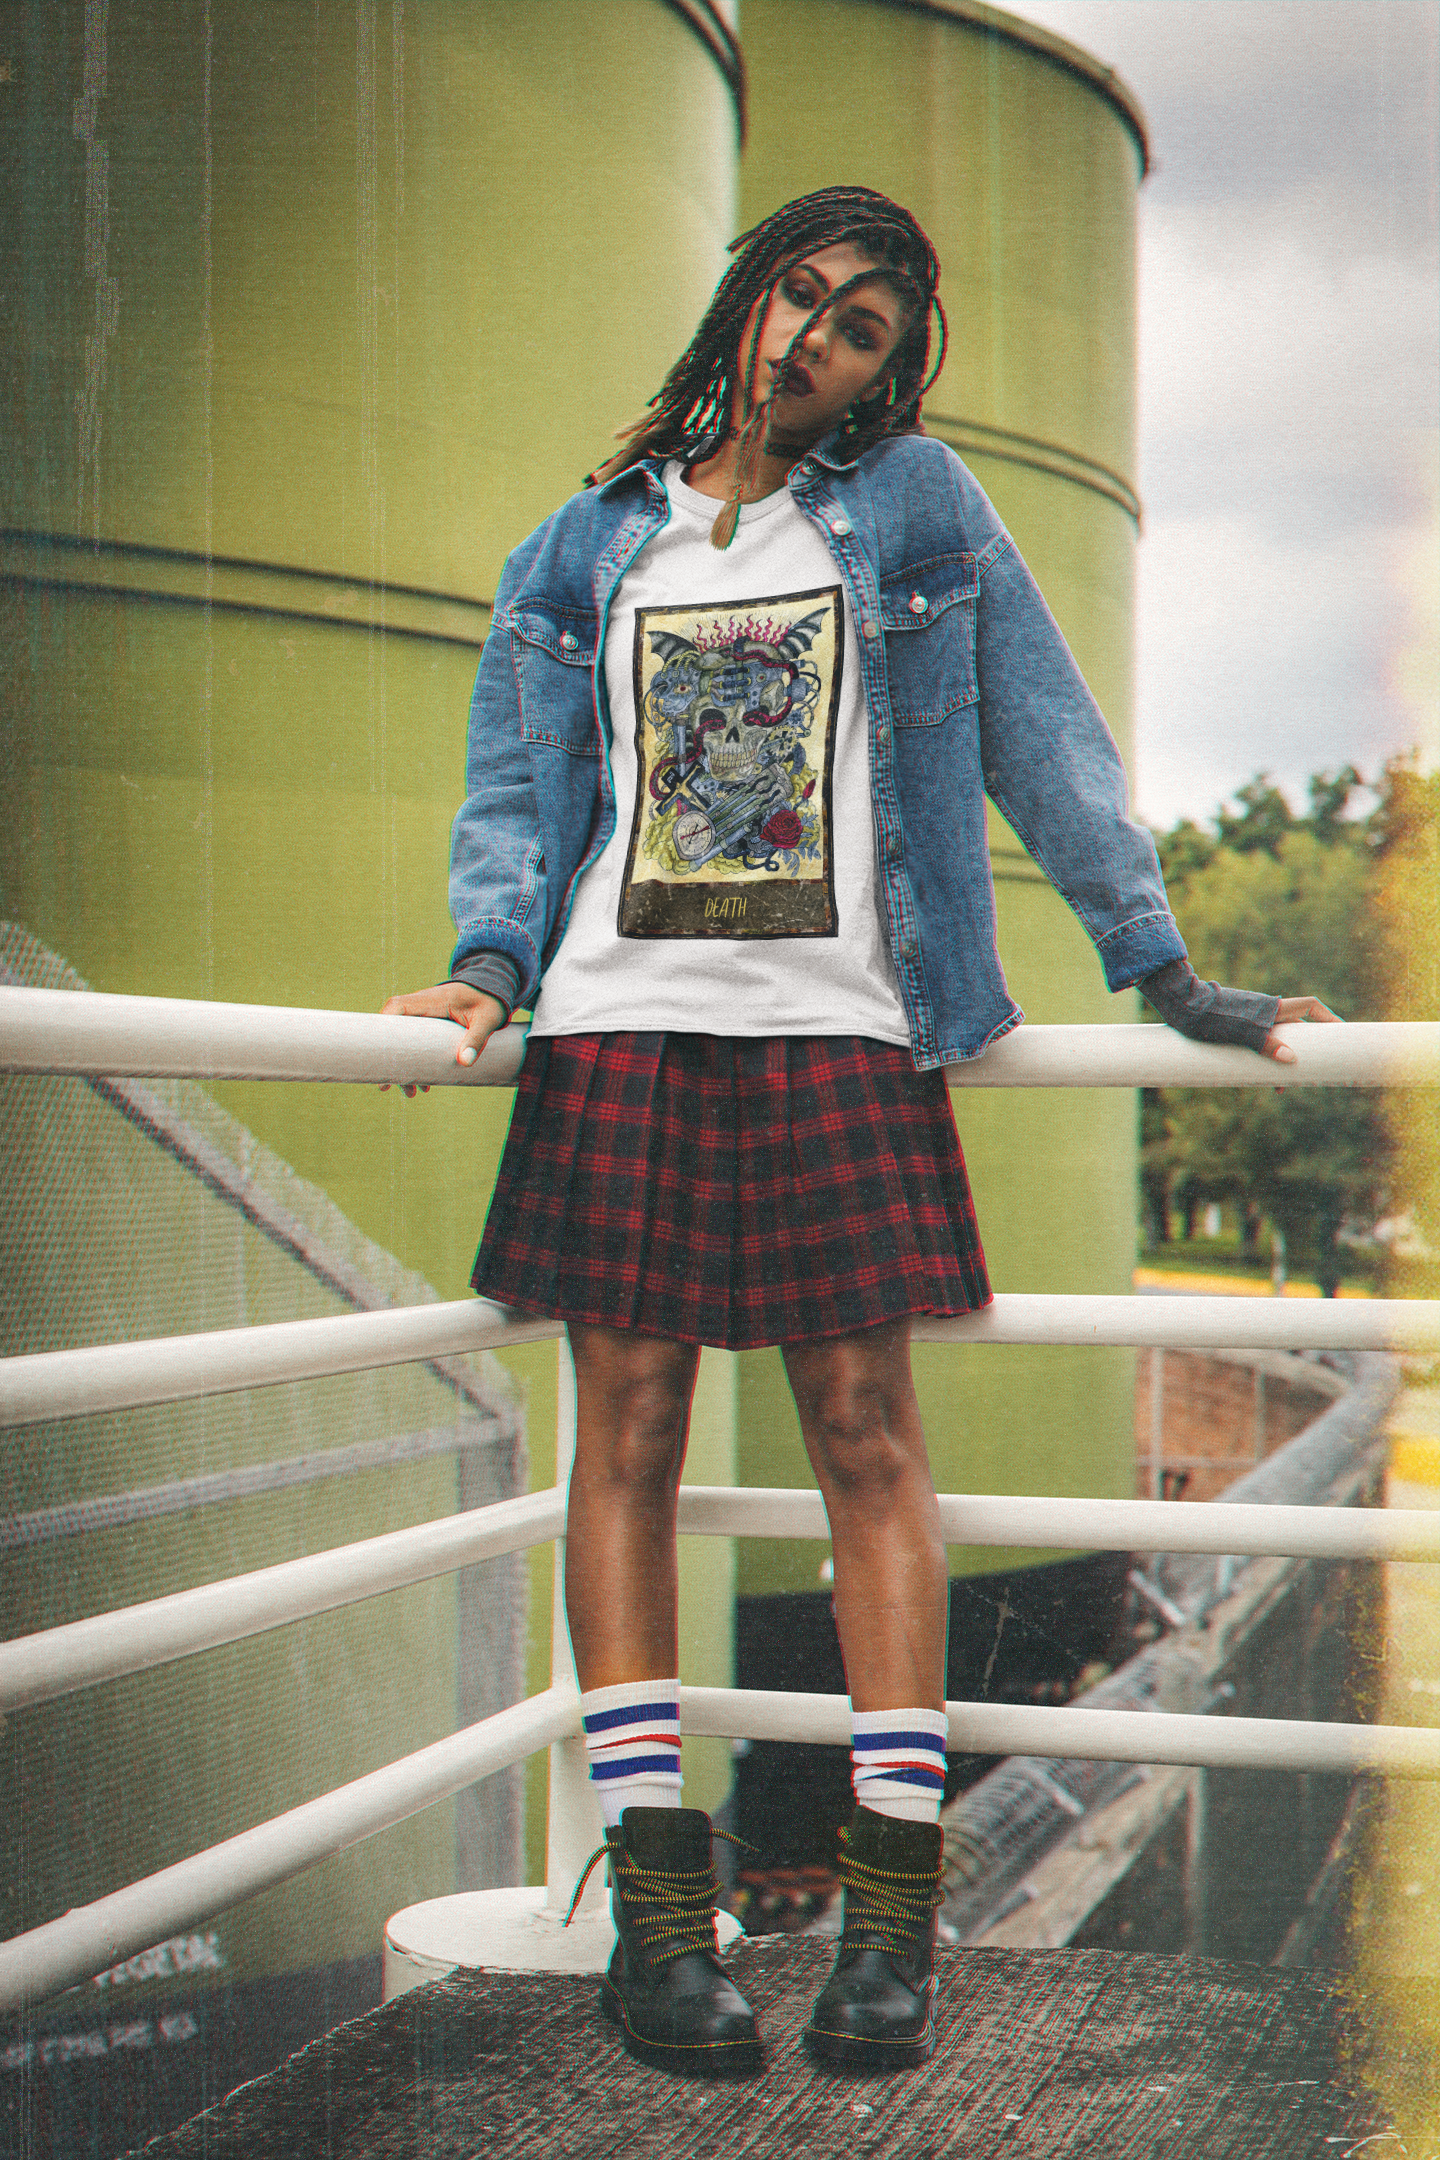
<point x="708" y="507"/>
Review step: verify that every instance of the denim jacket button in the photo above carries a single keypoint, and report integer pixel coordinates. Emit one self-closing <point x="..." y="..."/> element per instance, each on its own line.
<point x="908" y="949"/>
<point x="882" y="734"/>
<point x="569" y="640"/>
<point x="840" y="527"/>
<point x="918" y="603"/>
<point x="870" y="628"/>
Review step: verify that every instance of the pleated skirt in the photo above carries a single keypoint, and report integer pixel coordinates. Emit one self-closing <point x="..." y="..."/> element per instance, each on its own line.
<point x="736" y="1191"/>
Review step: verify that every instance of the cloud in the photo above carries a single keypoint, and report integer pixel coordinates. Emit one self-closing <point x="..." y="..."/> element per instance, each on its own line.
<point x="1288" y="381"/>
<point x="1249" y="658"/>
<point x="1248" y="98"/>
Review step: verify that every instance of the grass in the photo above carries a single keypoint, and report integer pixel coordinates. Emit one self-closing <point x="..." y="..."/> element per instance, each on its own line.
<point x="1223" y="1256"/>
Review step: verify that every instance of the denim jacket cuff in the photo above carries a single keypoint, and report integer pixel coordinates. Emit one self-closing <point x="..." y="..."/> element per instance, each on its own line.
<point x="1137" y="948"/>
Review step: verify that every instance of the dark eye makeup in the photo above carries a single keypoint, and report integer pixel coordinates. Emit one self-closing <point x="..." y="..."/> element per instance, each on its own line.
<point x="802" y="292"/>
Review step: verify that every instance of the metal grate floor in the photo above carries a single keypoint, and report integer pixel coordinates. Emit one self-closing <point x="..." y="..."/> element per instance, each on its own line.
<point x="1042" y="2052"/>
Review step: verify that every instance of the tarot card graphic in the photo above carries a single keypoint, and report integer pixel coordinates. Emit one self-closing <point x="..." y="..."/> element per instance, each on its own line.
<point x="735" y="743"/>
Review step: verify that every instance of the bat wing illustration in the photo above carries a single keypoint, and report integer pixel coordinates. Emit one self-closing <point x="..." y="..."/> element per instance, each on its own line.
<point x="668" y="646"/>
<point x="801" y="635"/>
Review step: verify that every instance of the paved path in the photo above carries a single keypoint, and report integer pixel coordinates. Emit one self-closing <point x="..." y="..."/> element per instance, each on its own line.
<point x="1044" y="2052"/>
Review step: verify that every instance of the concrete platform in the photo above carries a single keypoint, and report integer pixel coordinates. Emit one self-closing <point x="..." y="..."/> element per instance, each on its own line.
<point x="1042" y="2052"/>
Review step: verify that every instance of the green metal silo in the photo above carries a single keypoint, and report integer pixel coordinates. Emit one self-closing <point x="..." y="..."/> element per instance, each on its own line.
<point x="1021" y="156"/>
<point x="309" y="316"/>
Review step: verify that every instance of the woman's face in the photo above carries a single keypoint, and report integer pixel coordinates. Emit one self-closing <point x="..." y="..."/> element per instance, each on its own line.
<point x="842" y="354"/>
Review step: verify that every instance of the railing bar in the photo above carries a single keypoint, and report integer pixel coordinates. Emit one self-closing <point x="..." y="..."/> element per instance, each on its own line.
<point x="1187" y="1322"/>
<point x="1077" y="1734"/>
<point x="44" y="1386"/>
<point x="236" y="1188"/>
<point x="136" y="1638"/>
<point x="93" y="1937"/>
<point x="94" y="1032"/>
<point x="49" y="1385"/>
<point x="1253" y="1529"/>
<point x="37" y="1668"/>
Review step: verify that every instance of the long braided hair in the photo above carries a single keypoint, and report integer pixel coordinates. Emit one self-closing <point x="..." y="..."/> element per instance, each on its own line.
<point x="691" y="413"/>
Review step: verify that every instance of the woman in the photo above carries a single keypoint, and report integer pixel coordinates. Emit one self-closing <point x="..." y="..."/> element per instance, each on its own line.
<point x="729" y="749"/>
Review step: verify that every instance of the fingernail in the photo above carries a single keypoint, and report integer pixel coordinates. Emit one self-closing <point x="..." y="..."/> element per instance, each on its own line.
<point x="469" y="1054"/>
<point x="1284" y="1055"/>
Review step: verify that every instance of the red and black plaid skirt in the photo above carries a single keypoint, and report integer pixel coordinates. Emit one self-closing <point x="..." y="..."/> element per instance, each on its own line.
<point x="730" y="1190"/>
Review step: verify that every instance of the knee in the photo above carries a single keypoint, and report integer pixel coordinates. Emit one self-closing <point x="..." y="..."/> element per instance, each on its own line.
<point x="632" y="1425"/>
<point x="649" y="1426"/>
<point x="859" y="1455"/>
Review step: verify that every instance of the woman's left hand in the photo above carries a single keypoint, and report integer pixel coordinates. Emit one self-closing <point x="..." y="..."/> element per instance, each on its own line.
<point x="1303" y="1008"/>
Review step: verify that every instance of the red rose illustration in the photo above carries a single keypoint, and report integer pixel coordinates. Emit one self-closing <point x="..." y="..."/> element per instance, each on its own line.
<point x="782" y="829"/>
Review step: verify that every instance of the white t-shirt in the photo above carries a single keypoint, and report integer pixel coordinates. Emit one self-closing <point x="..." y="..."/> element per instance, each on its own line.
<point x="738" y="893"/>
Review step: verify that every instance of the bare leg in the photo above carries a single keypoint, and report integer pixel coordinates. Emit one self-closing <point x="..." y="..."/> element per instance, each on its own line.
<point x="673" y="1999"/>
<point x="862" y="1430"/>
<point x="633" y="1412"/>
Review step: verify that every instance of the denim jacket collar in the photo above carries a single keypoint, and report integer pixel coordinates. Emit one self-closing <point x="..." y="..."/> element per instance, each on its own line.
<point x="970" y="689"/>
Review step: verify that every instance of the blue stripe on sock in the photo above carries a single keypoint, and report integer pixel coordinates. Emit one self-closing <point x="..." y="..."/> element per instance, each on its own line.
<point x="635" y="1766"/>
<point x="932" y="1780"/>
<point x="664" y="1712"/>
<point x="931" y="1743"/>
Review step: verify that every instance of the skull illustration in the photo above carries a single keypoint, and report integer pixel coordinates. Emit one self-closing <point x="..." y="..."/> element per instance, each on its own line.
<point x="738" y="753"/>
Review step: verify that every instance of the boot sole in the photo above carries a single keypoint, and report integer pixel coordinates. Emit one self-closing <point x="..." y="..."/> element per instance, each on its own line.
<point x="854" y="2053"/>
<point x="712" y="2058"/>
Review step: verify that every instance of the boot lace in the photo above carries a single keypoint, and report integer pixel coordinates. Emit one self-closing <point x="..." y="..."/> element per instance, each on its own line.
<point x="672" y="1910"/>
<point x="885" y="1908"/>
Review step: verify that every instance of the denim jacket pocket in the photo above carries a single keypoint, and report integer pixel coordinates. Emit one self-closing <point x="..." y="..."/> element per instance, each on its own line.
<point x="553" y="648"/>
<point x="928" y="615"/>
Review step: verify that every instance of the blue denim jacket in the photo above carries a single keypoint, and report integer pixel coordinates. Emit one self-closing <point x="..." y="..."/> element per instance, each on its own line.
<point x="971" y="690"/>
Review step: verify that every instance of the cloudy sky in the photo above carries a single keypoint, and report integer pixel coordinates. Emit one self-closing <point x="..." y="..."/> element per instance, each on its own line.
<point x="1289" y="577"/>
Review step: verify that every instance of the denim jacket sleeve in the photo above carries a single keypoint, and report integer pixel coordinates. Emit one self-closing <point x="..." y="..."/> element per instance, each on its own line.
<point x="1054" y="773"/>
<point x="498" y="896"/>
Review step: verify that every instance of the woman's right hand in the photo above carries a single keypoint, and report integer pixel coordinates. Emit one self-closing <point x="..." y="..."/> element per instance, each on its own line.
<point x="478" y="1014"/>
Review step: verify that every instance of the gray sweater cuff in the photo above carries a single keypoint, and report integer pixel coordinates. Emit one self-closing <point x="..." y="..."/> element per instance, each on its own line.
<point x="1205" y="1011"/>
<point x="493" y="972"/>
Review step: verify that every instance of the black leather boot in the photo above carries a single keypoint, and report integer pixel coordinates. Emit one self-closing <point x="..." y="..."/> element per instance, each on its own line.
<point x="666" y="1988"/>
<point x="875" y="2011"/>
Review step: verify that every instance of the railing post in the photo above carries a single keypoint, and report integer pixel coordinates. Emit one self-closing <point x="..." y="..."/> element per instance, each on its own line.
<point x="1259" y="1415"/>
<point x="573" y="1826"/>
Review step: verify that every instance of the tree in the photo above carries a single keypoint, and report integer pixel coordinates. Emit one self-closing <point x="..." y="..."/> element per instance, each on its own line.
<point x="1183" y="850"/>
<point x="1288" y="905"/>
<point x="1330" y="795"/>
<point x="1262" y="822"/>
<point x="1403" y="836"/>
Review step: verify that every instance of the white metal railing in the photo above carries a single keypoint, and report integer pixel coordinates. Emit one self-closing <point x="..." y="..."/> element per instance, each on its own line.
<point x="136" y="1638"/>
<point x="92" y="1937"/>
<point x="176" y="1038"/>
<point x="87" y="1033"/>
<point x="174" y="1368"/>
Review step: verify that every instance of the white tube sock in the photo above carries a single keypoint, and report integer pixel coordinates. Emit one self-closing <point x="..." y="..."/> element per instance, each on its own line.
<point x="632" y="1740"/>
<point x="897" y="1762"/>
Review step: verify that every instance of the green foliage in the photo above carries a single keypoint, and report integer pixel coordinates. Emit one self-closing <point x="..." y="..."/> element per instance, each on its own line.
<point x="1330" y="795"/>
<point x="1297" y="922"/>
<point x="1288" y="905"/>
<point x="1182" y="851"/>
<point x="1263" y="819"/>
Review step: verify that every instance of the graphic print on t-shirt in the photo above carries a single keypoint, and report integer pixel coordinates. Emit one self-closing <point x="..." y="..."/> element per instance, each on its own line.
<point x="735" y="740"/>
